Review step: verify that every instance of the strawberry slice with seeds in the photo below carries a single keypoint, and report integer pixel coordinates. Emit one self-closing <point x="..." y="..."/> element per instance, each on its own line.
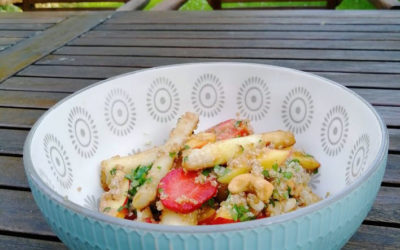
<point x="231" y="129"/>
<point x="180" y="193"/>
<point x="221" y="220"/>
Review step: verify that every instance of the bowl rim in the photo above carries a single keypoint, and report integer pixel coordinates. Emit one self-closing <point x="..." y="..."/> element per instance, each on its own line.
<point x="133" y="225"/>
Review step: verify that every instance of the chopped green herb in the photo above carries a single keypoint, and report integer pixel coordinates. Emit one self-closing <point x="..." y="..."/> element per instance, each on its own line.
<point x="160" y="190"/>
<point x="211" y="202"/>
<point x="265" y="173"/>
<point x="272" y="202"/>
<point x="260" y="141"/>
<point x="289" y="191"/>
<point x="280" y="170"/>
<point x="172" y="154"/>
<point x="149" y="179"/>
<point x="286" y="195"/>
<point x="113" y="171"/>
<point x="315" y="171"/>
<point x="159" y="167"/>
<point x="137" y="177"/>
<point x="275" y="167"/>
<point x="294" y="160"/>
<point x="238" y="123"/>
<point x="120" y="208"/>
<point x="107" y="209"/>
<point x="308" y="155"/>
<point x="287" y="175"/>
<point x="186" y="158"/>
<point x="206" y="172"/>
<point x="240" y="213"/>
<point x="241" y="148"/>
<point x="186" y="147"/>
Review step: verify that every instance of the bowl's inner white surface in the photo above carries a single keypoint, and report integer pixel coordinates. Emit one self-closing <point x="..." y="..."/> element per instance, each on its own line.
<point x="136" y="111"/>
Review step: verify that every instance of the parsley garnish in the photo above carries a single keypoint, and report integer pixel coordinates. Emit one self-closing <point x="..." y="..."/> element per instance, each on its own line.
<point x="240" y="213"/>
<point x="185" y="158"/>
<point x="265" y="173"/>
<point x="172" y="154"/>
<point x="275" y="167"/>
<point x="289" y="191"/>
<point x="159" y="167"/>
<point x="287" y="175"/>
<point x="308" y="155"/>
<point x="294" y="160"/>
<point x="137" y="177"/>
<point x="120" y="208"/>
<point x="113" y="171"/>
<point x="186" y="147"/>
<point x="107" y="209"/>
<point x="238" y="123"/>
<point x="241" y="148"/>
<point x="160" y="190"/>
<point x="206" y="172"/>
<point x="272" y="202"/>
<point x="315" y="171"/>
<point x="211" y="202"/>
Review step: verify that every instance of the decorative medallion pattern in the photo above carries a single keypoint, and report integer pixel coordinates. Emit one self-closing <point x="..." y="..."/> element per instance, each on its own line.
<point x="254" y="98"/>
<point x="357" y="159"/>
<point x="208" y="95"/>
<point x="298" y="110"/>
<point x="162" y="100"/>
<point x="334" y="130"/>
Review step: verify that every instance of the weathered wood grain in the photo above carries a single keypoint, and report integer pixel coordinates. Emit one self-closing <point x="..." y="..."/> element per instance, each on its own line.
<point x="386" y="207"/>
<point x="22" y="99"/>
<point x="391" y="115"/>
<point x="12" y="172"/>
<point x="364" y="79"/>
<point x="374" y="237"/>
<point x="19" y="243"/>
<point x="18" y="118"/>
<point x="394" y="139"/>
<point x="392" y="173"/>
<point x="349" y="14"/>
<point x="8" y="41"/>
<point x="380" y="96"/>
<point x="237" y="43"/>
<point x="16" y="33"/>
<point x="23" y="20"/>
<point x="228" y="53"/>
<point x="19" y="213"/>
<point x="382" y="36"/>
<point x="32" y="49"/>
<point x="172" y="19"/>
<point x="45" y="84"/>
<point x="251" y="27"/>
<point x="25" y="26"/>
<point x="151" y="61"/>
<point x="12" y="141"/>
<point x="74" y="71"/>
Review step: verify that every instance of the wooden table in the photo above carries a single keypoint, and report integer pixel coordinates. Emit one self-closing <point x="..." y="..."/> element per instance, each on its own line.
<point x="360" y="50"/>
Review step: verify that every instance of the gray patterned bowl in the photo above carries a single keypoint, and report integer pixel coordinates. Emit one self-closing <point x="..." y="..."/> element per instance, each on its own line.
<point x="133" y="111"/>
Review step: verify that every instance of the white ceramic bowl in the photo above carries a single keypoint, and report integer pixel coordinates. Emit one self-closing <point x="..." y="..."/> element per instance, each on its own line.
<point x="135" y="111"/>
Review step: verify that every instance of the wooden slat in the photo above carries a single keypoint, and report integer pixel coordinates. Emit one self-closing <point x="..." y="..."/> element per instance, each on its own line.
<point x="24" y="20"/>
<point x="8" y="41"/>
<point x="150" y="61"/>
<point x="380" y="96"/>
<point x="391" y="115"/>
<point x="20" y="214"/>
<point x="24" y="26"/>
<point x="16" y="34"/>
<point x="12" y="142"/>
<point x="348" y="14"/>
<point x="318" y="35"/>
<point x="45" y="84"/>
<point x="251" y="27"/>
<point x="364" y="80"/>
<point x="12" y="172"/>
<point x="394" y="139"/>
<point x="237" y="43"/>
<point x="172" y="19"/>
<point x="22" y="99"/>
<point x="374" y="237"/>
<point x="19" y="243"/>
<point x="30" y="50"/>
<point x="392" y="173"/>
<point x="74" y="72"/>
<point x="369" y="55"/>
<point x="387" y="206"/>
<point x="18" y="118"/>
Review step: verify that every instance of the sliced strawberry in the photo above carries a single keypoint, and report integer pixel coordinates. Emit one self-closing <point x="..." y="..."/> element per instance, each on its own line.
<point x="221" y="220"/>
<point x="180" y="193"/>
<point x="206" y="216"/>
<point x="230" y="129"/>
